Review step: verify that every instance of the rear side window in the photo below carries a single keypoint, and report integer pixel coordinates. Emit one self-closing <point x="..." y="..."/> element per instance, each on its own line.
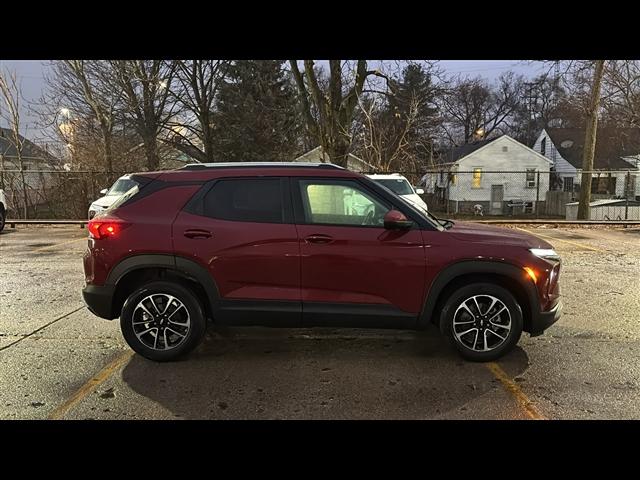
<point x="246" y="200"/>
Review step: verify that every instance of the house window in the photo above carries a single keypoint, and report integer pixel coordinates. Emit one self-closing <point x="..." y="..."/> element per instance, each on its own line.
<point x="531" y="178"/>
<point x="477" y="177"/>
<point x="603" y="185"/>
<point x="567" y="184"/>
<point x="505" y="149"/>
<point x="543" y="146"/>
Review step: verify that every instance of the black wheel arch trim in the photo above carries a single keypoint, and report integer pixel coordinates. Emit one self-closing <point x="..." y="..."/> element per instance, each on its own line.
<point x="185" y="266"/>
<point x="471" y="267"/>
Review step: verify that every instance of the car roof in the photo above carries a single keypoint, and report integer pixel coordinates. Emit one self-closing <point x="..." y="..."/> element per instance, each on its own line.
<point x="385" y="176"/>
<point x="200" y="166"/>
<point x="209" y="171"/>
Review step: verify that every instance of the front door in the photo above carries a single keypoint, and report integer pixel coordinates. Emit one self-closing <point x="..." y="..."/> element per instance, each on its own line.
<point x="354" y="272"/>
<point x="497" y="196"/>
<point x="243" y="234"/>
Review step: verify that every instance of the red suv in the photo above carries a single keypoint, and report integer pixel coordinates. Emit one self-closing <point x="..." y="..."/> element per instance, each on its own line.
<point x="303" y="245"/>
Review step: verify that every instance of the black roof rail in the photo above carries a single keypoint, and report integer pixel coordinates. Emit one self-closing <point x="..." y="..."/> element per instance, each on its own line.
<point x="200" y="166"/>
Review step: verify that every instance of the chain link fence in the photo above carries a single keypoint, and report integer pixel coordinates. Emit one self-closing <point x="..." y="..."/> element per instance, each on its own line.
<point x="531" y="193"/>
<point x="535" y="194"/>
<point x="53" y="194"/>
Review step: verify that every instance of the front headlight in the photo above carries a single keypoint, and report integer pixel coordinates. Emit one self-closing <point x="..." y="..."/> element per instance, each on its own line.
<point x="546" y="253"/>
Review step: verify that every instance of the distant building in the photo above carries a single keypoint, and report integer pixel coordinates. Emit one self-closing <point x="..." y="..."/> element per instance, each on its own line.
<point x="33" y="156"/>
<point x="498" y="174"/>
<point x="355" y="164"/>
<point x="617" y="152"/>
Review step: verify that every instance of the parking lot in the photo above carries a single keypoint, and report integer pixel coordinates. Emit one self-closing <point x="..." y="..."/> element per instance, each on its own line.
<point x="59" y="361"/>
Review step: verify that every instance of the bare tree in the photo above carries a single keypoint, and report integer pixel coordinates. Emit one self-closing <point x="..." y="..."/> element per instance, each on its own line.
<point x="146" y="87"/>
<point x="329" y="111"/>
<point x="195" y="89"/>
<point x="471" y="105"/>
<point x="590" y="141"/>
<point x="386" y="143"/>
<point x="10" y="112"/>
<point x="621" y="92"/>
<point x="86" y="91"/>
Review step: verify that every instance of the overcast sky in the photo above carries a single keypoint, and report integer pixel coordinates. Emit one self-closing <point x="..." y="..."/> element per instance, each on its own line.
<point x="31" y="76"/>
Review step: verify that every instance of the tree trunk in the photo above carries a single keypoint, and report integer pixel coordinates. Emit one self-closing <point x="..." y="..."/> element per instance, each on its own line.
<point x="338" y="151"/>
<point x="25" y="204"/>
<point x="108" y="153"/>
<point x="590" y="143"/>
<point x="151" y="150"/>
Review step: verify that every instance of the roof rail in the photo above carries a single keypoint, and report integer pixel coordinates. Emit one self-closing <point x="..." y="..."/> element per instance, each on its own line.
<point x="199" y="166"/>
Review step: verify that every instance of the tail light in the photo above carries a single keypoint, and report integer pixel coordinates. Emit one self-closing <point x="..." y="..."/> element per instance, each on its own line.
<point x="105" y="228"/>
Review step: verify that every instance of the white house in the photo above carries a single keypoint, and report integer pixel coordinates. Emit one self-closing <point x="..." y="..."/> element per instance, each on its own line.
<point x="617" y="152"/>
<point x="355" y="164"/>
<point x="500" y="174"/>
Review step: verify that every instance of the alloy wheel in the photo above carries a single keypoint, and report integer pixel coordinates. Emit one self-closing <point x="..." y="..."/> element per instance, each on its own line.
<point x="161" y="321"/>
<point x="481" y="323"/>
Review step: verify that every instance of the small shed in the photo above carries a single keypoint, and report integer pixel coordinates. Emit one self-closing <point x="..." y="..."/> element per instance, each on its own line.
<point x="611" y="209"/>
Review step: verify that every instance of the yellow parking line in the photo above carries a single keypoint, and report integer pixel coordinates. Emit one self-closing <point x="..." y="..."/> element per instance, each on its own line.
<point x="565" y="241"/>
<point x="515" y="391"/>
<point x="90" y="386"/>
<point x="58" y="244"/>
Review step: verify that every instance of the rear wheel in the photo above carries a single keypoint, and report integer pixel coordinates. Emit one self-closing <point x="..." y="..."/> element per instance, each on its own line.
<point x="482" y="320"/>
<point x="162" y="321"/>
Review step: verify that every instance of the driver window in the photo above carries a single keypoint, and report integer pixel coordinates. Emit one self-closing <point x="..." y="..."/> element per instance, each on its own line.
<point x="341" y="202"/>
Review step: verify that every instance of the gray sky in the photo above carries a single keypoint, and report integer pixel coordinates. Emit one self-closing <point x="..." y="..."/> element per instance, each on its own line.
<point x="31" y="76"/>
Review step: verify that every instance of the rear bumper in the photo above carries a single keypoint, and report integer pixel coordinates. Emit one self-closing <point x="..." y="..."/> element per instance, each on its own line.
<point x="99" y="300"/>
<point x="543" y="320"/>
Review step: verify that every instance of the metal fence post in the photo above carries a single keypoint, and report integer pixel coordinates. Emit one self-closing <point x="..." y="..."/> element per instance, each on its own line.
<point x="627" y="188"/>
<point x="537" y="191"/>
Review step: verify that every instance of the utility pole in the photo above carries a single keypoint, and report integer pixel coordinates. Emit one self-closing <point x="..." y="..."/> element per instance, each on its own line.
<point x="590" y="142"/>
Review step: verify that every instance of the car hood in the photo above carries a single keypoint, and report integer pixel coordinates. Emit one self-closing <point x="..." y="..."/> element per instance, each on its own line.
<point x="479" y="233"/>
<point x="106" y="201"/>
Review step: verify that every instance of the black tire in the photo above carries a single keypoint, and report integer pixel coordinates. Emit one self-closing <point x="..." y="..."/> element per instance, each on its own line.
<point x="193" y="336"/>
<point x="2" y="219"/>
<point x="477" y="321"/>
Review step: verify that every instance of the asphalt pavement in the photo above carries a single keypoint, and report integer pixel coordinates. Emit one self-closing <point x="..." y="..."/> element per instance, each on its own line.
<point x="59" y="361"/>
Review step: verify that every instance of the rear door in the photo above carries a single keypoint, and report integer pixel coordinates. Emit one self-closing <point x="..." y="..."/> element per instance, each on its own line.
<point x="241" y="230"/>
<point x="354" y="271"/>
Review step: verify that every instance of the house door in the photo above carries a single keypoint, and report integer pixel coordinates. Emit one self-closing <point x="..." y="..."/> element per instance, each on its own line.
<point x="497" y="195"/>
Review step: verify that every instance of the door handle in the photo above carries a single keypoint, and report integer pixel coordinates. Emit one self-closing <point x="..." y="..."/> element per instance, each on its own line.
<point x="195" y="233"/>
<point x="318" y="238"/>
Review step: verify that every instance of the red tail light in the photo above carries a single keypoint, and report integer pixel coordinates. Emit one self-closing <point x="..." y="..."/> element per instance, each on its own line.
<point x="104" y="228"/>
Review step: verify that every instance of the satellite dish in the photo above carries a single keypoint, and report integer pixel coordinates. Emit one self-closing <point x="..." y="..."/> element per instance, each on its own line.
<point x="567" y="144"/>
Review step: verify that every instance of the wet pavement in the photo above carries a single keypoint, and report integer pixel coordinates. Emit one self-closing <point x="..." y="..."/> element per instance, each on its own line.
<point x="58" y="360"/>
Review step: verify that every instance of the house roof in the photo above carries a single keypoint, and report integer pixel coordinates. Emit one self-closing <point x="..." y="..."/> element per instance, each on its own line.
<point x="319" y="152"/>
<point x="611" y="145"/>
<point x="456" y="153"/>
<point x="30" y="150"/>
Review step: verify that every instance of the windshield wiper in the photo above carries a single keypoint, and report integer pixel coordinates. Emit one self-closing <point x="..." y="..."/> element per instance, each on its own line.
<point x="446" y="223"/>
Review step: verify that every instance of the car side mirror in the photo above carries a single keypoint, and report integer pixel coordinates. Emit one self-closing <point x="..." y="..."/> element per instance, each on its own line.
<point x="395" y="220"/>
<point x="419" y="191"/>
<point x="104" y="191"/>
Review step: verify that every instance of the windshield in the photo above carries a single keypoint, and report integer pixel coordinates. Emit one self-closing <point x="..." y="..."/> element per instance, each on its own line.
<point x="399" y="186"/>
<point x="121" y="186"/>
<point x="124" y="197"/>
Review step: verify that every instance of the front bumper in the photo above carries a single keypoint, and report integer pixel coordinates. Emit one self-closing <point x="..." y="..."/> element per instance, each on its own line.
<point x="99" y="300"/>
<point x="543" y="320"/>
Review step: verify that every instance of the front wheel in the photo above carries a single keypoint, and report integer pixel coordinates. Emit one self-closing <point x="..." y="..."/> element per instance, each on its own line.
<point x="162" y="321"/>
<point x="2" y="220"/>
<point x="483" y="321"/>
